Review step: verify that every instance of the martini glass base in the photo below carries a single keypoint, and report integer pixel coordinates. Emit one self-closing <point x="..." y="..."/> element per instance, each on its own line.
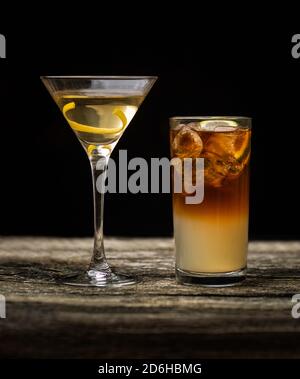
<point x="100" y="279"/>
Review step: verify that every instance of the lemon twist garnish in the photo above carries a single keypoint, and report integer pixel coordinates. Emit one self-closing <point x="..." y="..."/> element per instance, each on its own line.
<point x="117" y="112"/>
<point x="92" y="129"/>
<point x="91" y="148"/>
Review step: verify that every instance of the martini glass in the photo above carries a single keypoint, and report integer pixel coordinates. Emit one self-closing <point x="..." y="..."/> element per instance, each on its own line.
<point x="98" y="109"/>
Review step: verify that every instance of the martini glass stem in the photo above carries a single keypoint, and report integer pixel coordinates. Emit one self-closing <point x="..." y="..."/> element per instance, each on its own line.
<point x="98" y="266"/>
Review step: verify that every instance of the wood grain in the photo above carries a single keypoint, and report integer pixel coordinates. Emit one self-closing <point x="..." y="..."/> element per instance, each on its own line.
<point x="156" y="318"/>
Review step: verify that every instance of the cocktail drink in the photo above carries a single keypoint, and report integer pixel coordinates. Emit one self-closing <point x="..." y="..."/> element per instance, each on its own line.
<point x="211" y="237"/>
<point x="98" y="109"/>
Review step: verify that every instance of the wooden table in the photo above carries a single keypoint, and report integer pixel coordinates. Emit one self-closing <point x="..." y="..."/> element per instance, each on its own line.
<point x="156" y="318"/>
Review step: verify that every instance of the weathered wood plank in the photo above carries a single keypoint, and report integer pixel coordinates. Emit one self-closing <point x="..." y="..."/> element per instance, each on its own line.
<point x="156" y="318"/>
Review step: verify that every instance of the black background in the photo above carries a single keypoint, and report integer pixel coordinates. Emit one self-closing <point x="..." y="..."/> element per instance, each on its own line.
<point x="207" y="65"/>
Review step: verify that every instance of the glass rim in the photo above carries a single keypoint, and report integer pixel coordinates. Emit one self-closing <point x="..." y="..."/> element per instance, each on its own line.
<point x="243" y="122"/>
<point x="97" y="77"/>
<point x="203" y="118"/>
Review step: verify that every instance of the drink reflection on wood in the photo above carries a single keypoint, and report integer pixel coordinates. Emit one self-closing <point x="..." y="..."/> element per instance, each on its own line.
<point x="212" y="237"/>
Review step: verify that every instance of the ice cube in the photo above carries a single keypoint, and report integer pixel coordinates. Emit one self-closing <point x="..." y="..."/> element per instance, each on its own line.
<point x="187" y="143"/>
<point x="235" y="144"/>
<point x="218" y="169"/>
<point x="196" y="126"/>
<point x="214" y="170"/>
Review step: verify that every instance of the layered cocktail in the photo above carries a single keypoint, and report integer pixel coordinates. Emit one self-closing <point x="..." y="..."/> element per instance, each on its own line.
<point x="211" y="237"/>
